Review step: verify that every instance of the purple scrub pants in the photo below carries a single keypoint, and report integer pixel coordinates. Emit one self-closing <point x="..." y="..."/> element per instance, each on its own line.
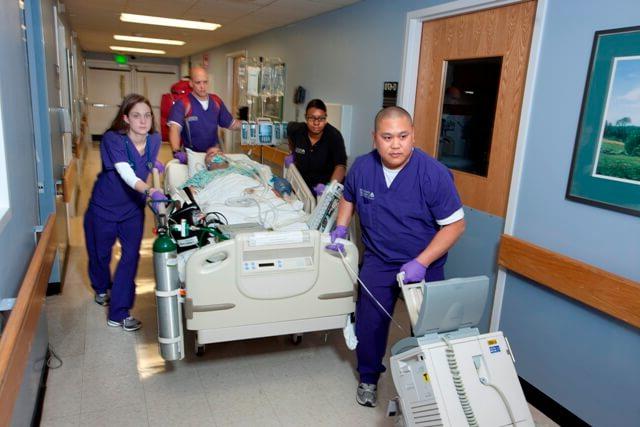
<point x="100" y="236"/>
<point x="372" y="324"/>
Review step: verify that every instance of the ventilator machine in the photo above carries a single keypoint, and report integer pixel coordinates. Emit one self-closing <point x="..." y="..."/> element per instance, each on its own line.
<point x="449" y="374"/>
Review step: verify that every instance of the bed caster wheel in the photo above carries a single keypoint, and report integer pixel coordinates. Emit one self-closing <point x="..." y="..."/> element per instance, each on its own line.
<point x="199" y="350"/>
<point x="296" y="339"/>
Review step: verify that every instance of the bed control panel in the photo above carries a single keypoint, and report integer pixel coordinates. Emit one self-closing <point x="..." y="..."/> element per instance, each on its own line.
<point x="277" y="264"/>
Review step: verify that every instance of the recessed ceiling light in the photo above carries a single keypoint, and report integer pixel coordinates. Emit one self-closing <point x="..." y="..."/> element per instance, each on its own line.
<point x="147" y="40"/>
<point x="168" y="22"/>
<point x="136" y="49"/>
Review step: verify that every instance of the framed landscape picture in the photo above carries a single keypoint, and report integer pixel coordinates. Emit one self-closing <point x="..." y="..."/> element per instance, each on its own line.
<point x="605" y="171"/>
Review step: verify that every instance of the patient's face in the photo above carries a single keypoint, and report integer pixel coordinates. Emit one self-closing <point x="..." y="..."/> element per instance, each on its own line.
<point x="214" y="159"/>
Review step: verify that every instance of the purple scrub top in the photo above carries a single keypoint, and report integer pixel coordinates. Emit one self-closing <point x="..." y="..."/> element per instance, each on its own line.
<point x="112" y="199"/>
<point x="203" y="124"/>
<point x="400" y="221"/>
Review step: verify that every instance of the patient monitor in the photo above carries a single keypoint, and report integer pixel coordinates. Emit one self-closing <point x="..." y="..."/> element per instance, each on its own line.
<point x="449" y="374"/>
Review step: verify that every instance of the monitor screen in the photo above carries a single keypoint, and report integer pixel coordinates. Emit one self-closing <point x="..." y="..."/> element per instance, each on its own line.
<point x="452" y="304"/>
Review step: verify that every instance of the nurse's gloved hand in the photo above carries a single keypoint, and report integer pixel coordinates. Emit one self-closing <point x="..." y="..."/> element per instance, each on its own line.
<point x="340" y="232"/>
<point x="319" y="189"/>
<point x="413" y="271"/>
<point x="159" y="165"/>
<point x="181" y="156"/>
<point x="157" y="197"/>
<point x="288" y="160"/>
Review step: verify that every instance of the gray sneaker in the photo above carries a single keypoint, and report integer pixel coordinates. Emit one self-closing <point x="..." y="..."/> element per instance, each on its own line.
<point x="129" y="324"/>
<point x="102" y="299"/>
<point x="367" y="395"/>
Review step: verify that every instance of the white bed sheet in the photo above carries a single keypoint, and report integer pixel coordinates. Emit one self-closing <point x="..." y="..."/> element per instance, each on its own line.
<point x="243" y="199"/>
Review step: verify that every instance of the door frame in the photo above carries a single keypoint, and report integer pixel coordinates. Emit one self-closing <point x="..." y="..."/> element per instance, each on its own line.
<point x="407" y="99"/>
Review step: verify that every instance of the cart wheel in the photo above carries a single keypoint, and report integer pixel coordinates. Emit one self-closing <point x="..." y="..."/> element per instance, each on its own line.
<point x="296" y="338"/>
<point x="199" y="350"/>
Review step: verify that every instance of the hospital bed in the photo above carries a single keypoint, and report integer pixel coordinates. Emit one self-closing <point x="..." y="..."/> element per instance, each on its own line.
<point x="261" y="283"/>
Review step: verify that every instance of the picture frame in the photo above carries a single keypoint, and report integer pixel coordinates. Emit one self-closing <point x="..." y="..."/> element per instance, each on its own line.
<point x="605" y="169"/>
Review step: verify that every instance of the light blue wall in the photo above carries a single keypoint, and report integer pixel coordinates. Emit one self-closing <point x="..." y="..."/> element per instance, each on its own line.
<point x="17" y="235"/>
<point x="585" y="360"/>
<point x="341" y="57"/>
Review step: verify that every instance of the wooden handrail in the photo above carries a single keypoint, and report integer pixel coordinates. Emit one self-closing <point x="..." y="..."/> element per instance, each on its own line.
<point x="609" y="293"/>
<point x="17" y="337"/>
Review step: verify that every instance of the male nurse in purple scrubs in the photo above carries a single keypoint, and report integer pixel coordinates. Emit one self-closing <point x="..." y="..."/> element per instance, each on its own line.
<point x="410" y="216"/>
<point x="194" y="119"/>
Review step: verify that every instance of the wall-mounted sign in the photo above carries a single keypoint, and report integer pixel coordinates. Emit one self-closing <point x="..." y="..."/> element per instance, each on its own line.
<point x="389" y="94"/>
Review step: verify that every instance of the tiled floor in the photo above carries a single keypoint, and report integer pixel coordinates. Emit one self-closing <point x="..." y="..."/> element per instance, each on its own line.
<point x="114" y="378"/>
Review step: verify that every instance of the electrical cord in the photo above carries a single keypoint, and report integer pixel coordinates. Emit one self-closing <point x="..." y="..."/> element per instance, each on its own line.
<point x="354" y="274"/>
<point x="219" y="217"/>
<point x="459" y="384"/>
<point x="53" y="356"/>
<point x="485" y="381"/>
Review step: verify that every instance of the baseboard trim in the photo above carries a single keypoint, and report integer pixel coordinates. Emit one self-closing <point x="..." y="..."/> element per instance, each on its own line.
<point x="54" y="288"/>
<point x="552" y="409"/>
<point x="42" y="389"/>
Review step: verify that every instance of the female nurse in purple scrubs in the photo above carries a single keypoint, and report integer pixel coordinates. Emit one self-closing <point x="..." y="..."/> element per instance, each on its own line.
<point x="129" y="151"/>
<point x="410" y="216"/>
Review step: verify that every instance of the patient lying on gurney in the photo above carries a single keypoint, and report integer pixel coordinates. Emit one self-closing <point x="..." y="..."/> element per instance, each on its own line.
<point x="245" y="191"/>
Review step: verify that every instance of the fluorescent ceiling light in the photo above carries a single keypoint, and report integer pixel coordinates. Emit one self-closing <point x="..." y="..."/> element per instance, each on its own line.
<point x="147" y="40"/>
<point x="168" y="22"/>
<point x="136" y="49"/>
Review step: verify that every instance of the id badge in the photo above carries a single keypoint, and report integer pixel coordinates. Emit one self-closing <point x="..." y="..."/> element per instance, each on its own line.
<point x="192" y="118"/>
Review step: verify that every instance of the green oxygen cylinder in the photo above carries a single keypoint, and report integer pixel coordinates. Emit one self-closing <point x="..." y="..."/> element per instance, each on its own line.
<point x="169" y="308"/>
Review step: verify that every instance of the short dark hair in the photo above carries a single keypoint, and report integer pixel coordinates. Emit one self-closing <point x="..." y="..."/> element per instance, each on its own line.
<point x="316" y="103"/>
<point x="391" y="112"/>
<point x="129" y="101"/>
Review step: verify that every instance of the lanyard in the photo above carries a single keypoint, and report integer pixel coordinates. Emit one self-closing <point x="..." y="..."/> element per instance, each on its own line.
<point x="147" y="153"/>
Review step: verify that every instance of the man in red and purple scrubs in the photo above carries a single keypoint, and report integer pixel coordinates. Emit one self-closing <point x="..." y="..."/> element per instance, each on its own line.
<point x="193" y="120"/>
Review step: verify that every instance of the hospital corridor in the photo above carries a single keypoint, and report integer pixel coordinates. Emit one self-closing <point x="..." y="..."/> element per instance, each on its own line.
<point x="113" y="378"/>
<point x="306" y="213"/>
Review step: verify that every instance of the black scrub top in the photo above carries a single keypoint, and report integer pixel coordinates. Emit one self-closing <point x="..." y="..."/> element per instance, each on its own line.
<point x="316" y="163"/>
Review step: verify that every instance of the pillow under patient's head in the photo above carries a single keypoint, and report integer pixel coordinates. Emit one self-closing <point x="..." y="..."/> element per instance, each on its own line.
<point x="195" y="162"/>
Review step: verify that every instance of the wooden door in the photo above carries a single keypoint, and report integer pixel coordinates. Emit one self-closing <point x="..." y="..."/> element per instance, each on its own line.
<point x="498" y="38"/>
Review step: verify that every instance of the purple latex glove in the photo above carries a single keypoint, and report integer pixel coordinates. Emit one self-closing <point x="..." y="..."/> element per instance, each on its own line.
<point x="413" y="271"/>
<point x="157" y="197"/>
<point x="340" y="232"/>
<point x="159" y="165"/>
<point x="288" y="160"/>
<point x="181" y="156"/>
<point x="319" y="189"/>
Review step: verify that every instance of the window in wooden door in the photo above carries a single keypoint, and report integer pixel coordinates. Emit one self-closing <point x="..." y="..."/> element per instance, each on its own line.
<point x="468" y="113"/>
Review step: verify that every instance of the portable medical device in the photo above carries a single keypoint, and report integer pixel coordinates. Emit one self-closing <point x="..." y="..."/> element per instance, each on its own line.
<point x="449" y="374"/>
<point x="261" y="132"/>
<point x="326" y="212"/>
<point x="265" y="131"/>
<point x="244" y="133"/>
